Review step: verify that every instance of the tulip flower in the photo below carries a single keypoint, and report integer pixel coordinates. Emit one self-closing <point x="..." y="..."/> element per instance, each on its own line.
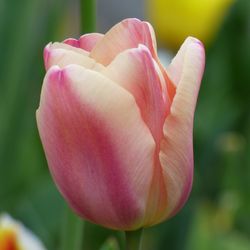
<point x="175" y="20"/>
<point x="116" y="126"/>
<point x="14" y="236"/>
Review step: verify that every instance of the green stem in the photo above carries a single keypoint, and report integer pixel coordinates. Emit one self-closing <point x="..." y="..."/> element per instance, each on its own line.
<point x="88" y="16"/>
<point x="134" y="239"/>
<point x="72" y="231"/>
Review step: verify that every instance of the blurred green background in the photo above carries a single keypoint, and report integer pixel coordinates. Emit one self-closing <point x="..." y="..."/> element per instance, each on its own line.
<point x="217" y="215"/>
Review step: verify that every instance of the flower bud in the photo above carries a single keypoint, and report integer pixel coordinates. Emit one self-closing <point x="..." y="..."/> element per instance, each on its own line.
<point x="116" y="126"/>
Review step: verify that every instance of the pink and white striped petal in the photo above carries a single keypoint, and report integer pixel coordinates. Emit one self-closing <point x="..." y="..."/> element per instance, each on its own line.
<point x="99" y="150"/>
<point x="125" y="35"/>
<point x="145" y="82"/>
<point x="176" y="155"/>
<point x="63" y="54"/>
<point x="85" y="42"/>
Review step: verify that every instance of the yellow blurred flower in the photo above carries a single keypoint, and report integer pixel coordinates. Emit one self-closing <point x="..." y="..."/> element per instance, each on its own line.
<point x="174" y="20"/>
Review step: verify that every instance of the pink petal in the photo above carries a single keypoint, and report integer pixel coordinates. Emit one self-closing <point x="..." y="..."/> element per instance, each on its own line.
<point x="170" y="86"/>
<point x="63" y="54"/>
<point x="176" y="154"/>
<point x="99" y="150"/>
<point x="136" y="71"/>
<point x="85" y="42"/>
<point x="175" y="69"/>
<point x="125" y="35"/>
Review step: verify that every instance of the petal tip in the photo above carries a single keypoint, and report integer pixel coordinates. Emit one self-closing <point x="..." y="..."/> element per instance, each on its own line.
<point x="131" y="20"/>
<point x="54" y="74"/>
<point x="142" y="47"/>
<point x="72" y="42"/>
<point x="198" y="46"/>
<point x="46" y="55"/>
<point x="193" y="40"/>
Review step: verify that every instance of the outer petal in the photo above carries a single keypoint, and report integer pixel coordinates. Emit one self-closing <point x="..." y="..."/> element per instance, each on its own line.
<point x="85" y="42"/>
<point x="98" y="148"/>
<point x="127" y="34"/>
<point x="175" y="69"/>
<point x="176" y="154"/>
<point x="63" y="54"/>
<point x="145" y="81"/>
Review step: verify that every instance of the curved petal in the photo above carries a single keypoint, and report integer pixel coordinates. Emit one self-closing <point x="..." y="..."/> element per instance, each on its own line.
<point x="62" y="55"/>
<point x="98" y="148"/>
<point x="65" y="46"/>
<point x="125" y="35"/>
<point x="175" y="69"/>
<point x="170" y="86"/>
<point x="146" y="83"/>
<point x="176" y="155"/>
<point x="85" y="42"/>
<point x="136" y="71"/>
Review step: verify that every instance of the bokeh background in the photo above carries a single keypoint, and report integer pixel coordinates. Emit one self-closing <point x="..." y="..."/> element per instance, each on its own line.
<point x="217" y="215"/>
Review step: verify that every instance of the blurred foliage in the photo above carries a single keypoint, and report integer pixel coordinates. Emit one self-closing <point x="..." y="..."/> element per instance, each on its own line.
<point x="217" y="214"/>
<point x="110" y="244"/>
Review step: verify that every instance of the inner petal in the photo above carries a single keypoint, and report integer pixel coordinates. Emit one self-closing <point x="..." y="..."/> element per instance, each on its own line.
<point x="63" y="54"/>
<point x="85" y="42"/>
<point x="136" y="71"/>
<point x="127" y="34"/>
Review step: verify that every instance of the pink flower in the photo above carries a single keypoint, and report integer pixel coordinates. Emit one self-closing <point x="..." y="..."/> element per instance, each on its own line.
<point x="116" y="126"/>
